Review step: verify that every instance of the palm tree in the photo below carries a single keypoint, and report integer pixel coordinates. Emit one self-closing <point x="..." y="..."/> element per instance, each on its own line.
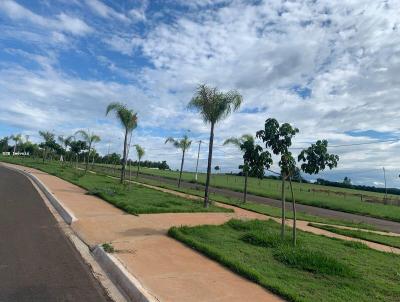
<point x="184" y="145"/>
<point x="48" y="141"/>
<point x="213" y="106"/>
<point x="140" y="153"/>
<point x="238" y="142"/>
<point x="16" y="138"/>
<point x="90" y="139"/>
<point x="66" y="142"/>
<point x="128" y="119"/>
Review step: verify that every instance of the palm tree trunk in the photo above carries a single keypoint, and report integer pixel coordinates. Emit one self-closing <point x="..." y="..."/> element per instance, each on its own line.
<point x="180" y="173"/>
<point x="210" y="149"/>
<point x="283" y="207"/>
<point x="124" y="159"/>
<point x="88" y="158"/>
<point x="138" y="168"/>
<point x="245" y="186"/>
<point x="294" y="212"/>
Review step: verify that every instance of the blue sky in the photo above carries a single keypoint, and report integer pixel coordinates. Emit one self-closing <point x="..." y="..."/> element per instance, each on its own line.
<point x="328" y="67"/>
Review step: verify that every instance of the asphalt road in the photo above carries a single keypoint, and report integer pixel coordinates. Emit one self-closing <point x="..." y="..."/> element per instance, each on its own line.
<point x="37" y="261"/>
<point x="387" y="225"/>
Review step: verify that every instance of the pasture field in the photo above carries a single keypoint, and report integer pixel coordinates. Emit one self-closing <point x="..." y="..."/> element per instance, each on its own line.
<point x="318" y="269"/>
<point x="340" y="199"/>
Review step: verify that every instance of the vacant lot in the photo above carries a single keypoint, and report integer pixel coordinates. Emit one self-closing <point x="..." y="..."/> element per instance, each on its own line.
<point x="319" y="269"/>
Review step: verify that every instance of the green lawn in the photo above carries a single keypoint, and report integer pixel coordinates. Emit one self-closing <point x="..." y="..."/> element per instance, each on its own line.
<point x="369" y="236"/>
<point x="134" y="199"/>
<point x="318" y="269"/>
<point x="259" y="208"/>
<point x="345" y="200"/>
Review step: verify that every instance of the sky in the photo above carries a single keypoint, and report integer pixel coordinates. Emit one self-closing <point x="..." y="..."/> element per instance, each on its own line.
<point x="329" y="67"/>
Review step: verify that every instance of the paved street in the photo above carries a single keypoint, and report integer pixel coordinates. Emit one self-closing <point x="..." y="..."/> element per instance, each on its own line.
<point x="37" y="261"/>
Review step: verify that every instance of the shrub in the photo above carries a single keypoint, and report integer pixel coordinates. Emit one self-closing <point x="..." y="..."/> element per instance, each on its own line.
<point x="108" y="248"/>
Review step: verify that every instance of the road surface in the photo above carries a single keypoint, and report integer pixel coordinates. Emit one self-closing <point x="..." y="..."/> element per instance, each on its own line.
<point x="37" y="261"/>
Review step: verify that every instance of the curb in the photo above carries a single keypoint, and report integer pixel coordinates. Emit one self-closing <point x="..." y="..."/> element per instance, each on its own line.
<point x="121" y="277"/>
<point x="64" y="212"/>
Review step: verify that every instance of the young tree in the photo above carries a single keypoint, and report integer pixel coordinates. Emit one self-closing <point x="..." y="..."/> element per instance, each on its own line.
<point x="90" y="139"/>
<point x="184" y="145"/>
<point x="240" y="143"/>
<point x="49" y="142"/>
<point x="279" y="138"/>
<point x="128" y="119"/>
<point x="140" y="153"/>
<point x="315" y="159"/>
<point x="213" y="106"/>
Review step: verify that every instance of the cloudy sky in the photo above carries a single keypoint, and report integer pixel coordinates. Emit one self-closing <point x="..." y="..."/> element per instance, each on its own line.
<point x="329" y="67"/>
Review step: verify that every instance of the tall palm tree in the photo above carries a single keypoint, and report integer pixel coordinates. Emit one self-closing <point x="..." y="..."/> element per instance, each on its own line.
<point x="213" y="106"/>
<point x="48" y="141"/>
<point x="16" y="138"/>
<point x="184" y="145"/>
<point x="128" y="119"/>
<point x="90" y="139"/>
<point x="140" y="153"/>
<point x="238" y="142"/>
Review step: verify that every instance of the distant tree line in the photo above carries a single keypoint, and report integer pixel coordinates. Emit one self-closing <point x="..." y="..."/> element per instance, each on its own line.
<point x="347" y="185"/>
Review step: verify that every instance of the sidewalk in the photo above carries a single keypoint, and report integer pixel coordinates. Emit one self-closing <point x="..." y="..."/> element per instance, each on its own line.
<point x="166" y="268"/>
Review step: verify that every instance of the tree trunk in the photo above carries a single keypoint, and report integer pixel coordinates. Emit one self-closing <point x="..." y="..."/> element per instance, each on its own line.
<point x="180" y="173"/>
<point x="210" y="150"/>
<point x="294" y="213"/>
<point x="283" y="207"/>
<point x="88" y="158"/>
<point x="138" y="168"/>
<point x="245" y="185"/>
<point x="124" y="159"/>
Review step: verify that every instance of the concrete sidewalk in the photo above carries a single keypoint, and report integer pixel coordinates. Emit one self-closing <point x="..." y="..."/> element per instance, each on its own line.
<point x="166" y="268"/>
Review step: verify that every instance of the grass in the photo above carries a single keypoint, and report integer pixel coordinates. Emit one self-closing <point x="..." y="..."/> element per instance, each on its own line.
<point x="258" y="208"/>
<point x="133" y="199"/>
<point x="393" y="241"/>
<point x="319" y="269"/>
<point x="341" y="199"/>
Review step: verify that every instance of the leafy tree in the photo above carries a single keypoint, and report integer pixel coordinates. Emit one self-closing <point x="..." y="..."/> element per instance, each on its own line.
<point x="217" y="168"/>
<point x="347" y="181"/>
<point x="128" y="119"/>
<point x="279" y="139"/>
<point x="4" y="144"/>
<point x="76" y="147"/>
<point x="184" y="145"/>
<point x="49" y="142"/>
<point x="163" y="165"/>
<point x="90" y="139"/>
<point x="213" y="106"/>
<point x="17" y="139"/>
<point x="240" y="143"/>
<point x="316" y="158"/>
<point x="140" y="153"/>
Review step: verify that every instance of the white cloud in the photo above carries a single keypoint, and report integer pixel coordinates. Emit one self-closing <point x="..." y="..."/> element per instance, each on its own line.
<point x="63" y="21"/>
<point x="105" y="11"/>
